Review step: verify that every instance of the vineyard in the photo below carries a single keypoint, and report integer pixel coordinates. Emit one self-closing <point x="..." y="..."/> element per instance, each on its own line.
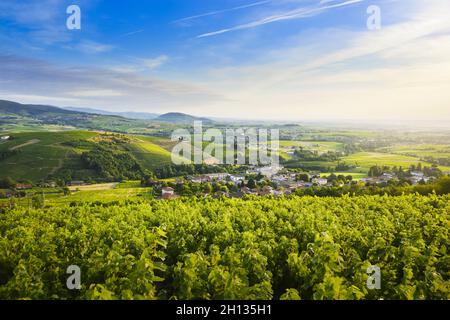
<point x="254" y="248"/>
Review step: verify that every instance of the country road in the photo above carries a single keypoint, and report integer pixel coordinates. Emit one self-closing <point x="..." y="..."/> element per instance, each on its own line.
<point x="34" y="141"/>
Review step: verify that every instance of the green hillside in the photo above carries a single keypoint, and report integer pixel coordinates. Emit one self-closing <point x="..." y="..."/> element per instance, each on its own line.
<point x="38" y="156"/>
<point x="19" y="117"/>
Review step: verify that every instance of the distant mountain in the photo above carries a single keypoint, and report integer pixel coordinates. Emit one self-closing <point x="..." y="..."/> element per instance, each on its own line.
<point x="15" y="114"/>
<point x="31" y="110"/>
<point x="176" y="117"/>
<point x="129" y="115"/>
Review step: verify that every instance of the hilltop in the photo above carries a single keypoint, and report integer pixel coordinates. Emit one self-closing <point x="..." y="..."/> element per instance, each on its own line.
<point x="129" y="115"/>
<point x="33" y="117"/>
<point x="16" y="115"/>
<point x="177" y="117"/>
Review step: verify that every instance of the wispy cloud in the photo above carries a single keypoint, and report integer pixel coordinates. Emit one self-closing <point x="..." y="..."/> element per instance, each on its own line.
<point x="212" y="13"/>
<point x="132" y="33"/>
<point x="399" y="72"/>
<point x="153" y="63"/>
<point x="298" y="13"/>
<point x="92" y="47"/>
<point x="94" y="86"/>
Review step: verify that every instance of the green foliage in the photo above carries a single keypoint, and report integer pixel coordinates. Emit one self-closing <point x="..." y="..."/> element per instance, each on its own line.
<point x="38" y="201"/>
<point x="112" y="165"/>
<point x="7" y="183"/>
<point x="251" y="248"/>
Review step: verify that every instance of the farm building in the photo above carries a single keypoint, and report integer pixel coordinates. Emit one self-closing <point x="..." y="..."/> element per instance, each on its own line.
<point x="168" y="193"/>
<point x="23" y="186"/>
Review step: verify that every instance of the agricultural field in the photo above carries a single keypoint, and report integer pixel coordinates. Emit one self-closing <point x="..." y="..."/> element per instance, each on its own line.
<point x="150" y="154"/>
<point x="43" y="154"/>
<point x="258" y="248"/>
<point x="38" y="153"/>
<point x="86" y="194"/>
<point x="422" y="150"/>
<point x="319" y="146"/>
<point x="365" y="160"/>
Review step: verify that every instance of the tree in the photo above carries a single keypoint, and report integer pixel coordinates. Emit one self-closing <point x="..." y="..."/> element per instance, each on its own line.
<point x="208" y="188"/>
<point x="303" y="177"/>
<point x="38" y="201"/>
<point x="7" y="183"/>
<point x="66" y="191"/>
<point x="443" y="185"/>
<point x="251" y="184"/>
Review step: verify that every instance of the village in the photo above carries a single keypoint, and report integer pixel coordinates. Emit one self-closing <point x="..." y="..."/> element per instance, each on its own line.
<point x="277" y="181"/>
<point x="254" y="181"/>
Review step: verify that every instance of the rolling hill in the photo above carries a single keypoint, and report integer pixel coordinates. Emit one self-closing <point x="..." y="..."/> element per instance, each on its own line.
<point x="13" y="115"/>
<point x="36" y="156"/>
<point x="129" y="115"/>
<point x="181" y="118"/>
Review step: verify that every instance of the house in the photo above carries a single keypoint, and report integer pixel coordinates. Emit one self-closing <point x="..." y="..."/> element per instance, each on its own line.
<point x="246" y="190"/>
<point x="237" y="179"/>
<point x="167" y="193"/>
<point x="23" y="186"/>
<point x="217" y="176"/>
<point x="320" y="181"/>
<point x="417" y="174"/>
<point x="418" y="179"/>
<point x="269" y="171"/>
<point x="387" y="176"/>
<point x="278" y="193"/>
<point x="50" y="184"/>
<point x="266" y="191"/>
<point x="220" y="194"/>
<point x="196" y="180"/>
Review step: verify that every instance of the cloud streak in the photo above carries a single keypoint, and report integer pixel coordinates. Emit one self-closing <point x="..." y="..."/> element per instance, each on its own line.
<point x="299" y="13"/>
<point x="94" y="86"/>
<point x="213" y="13"/>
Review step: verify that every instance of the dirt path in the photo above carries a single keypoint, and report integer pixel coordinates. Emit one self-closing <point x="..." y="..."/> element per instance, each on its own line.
<point x="95" y="187"/>
<point x="25" y="144"/>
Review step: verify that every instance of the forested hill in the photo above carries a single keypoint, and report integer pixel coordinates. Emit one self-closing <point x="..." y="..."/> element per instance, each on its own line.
<point x="81" y="155"/>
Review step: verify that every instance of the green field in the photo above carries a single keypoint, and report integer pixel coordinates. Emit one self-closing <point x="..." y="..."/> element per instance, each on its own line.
<point x="422" y="150"/>
<point x="290" y="248"/>
<point x="365" y="160"/>
<point x="55" y="197"/>
<point x="319" y="146"/>
<point x="41" y="154"/>
<point x="150" y="154"/>
<point x="36" y="161"/>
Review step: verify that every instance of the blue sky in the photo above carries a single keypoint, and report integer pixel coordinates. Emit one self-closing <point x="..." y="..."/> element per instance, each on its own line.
<point x="284" y="59"/>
